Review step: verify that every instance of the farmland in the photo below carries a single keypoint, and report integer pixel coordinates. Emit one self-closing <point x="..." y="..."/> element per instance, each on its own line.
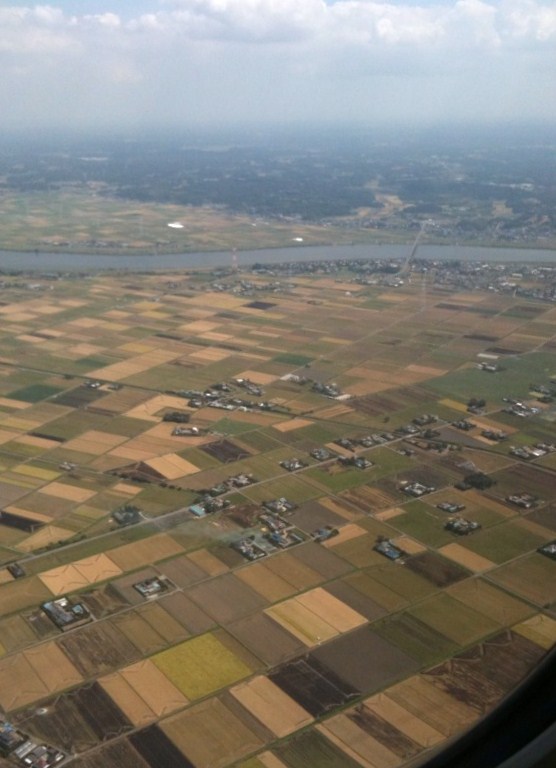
<point x="213" y="587"/>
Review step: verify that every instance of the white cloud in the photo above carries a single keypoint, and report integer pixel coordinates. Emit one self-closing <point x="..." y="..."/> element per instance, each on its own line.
<point x="264" y="58"/>
<point x="107" y="20"/>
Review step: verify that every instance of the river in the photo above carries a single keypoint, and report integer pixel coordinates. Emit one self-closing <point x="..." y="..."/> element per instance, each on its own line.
<point x="79" y="262"/>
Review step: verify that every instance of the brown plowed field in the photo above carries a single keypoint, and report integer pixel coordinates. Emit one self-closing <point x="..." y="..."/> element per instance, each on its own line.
<point x="225" y="451"/>
<point x="364" y="660"/>
<point x="357" y="743"/>
<point x="104" y="601"/>
<point x="98" y="648"/>
<point x="120" y="754"/>
<point x="369" y="498"/>
<point x="267" y="583"/>
<point x="189" y="615"/>
<point x="436" y="569"/>
<point x="356" y="600"/>
<point x="322" y="560"/>
<point x="143" y="635"/>
<point x="271" y="706"/>
<point x="226" y="598"/>
<point x="163" y="621"/>
<point x="384" y="732"/>
<point x="78" y="720"/>
<point x="266" y="639"/>
<point x="230" y="738"/>
<point x="433" y="705"/>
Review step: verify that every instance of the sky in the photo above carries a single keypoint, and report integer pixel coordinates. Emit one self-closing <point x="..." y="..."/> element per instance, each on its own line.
<point x="96" y="64"/>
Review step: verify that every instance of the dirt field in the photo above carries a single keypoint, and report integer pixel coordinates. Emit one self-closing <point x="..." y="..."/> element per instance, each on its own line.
<point x="157" y="750"/>
<point x="369" y="499"/>
<point x="153" y="688"/>
<point x="269" y="704"/>
<point x="428" y="702"/>
<point x="104" y="601"/>
<point x="160" y="616"/>
<point x="322" y="560"/>
<point x="436" y="569"/>
<point x="266" y="639"/>
<point x="292" y="570"/>
<point x="381" y="722"/>
<point x="225" y="451"/>
<point x="540" y="629"/>
<point x="313" y="691"/>
<point x="132" y="705"/>
<point x="226" y="599"/>
<point x="266" y="582"/>
<point x="140" y="632"/>
<point x="78" y="720"/>
<point x="362" y="660"/>
<point x="98" y="648"/>
<point x="16" y="632"/>
<point x="301" y="622"/>
<point x="356" y="600"/>
<point x="482" y="675"/>
<point x="469" y="560"/>
<point x="210" y="564"/>
<point x="187" y="613"/>
<point x="404" y="722"/>
<point x="338" y="614"/>
<point x="532" y="577"/>
<point x="21" y="684"/>
<point x="18" y="595"/>
<point x="381" y="594"/>
<point x="119" y="754"/>
<point x="357" y="743"/>
<point x="132" y="556"/>
<point x="231" y="738"/>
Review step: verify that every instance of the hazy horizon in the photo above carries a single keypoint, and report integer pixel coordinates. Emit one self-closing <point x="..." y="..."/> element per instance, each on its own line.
<point x="106" y="65"/>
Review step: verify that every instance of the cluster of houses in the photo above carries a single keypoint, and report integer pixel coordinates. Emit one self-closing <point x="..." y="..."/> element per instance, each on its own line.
<point x="273" y="533"/>
<point x="222" y="395"/>
<point x="210" y="502"/>
<point x="518" y="408"/>
<point x="67" y="613"/>
<point x="292" y="465"/>
<point x="387" y="548"/>
<point x="153" y="587"/>
<point x="523" y="500"/>
<point x="461" y="526"/>
<point x="416" y="489"/>
<point x="451" y="507"/>
<point x="17" y="745"/>
<point x="528" y="452"/>
<point x="549" y="550"/>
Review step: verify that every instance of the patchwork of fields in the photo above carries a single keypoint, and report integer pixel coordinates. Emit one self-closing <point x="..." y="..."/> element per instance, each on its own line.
<point x="322" y="650"/>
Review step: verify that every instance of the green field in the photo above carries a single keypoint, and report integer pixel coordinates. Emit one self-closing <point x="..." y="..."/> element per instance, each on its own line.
<point x="415" y="638"/>
<point x="459" y="623"/>
<point x="502" y="542"/>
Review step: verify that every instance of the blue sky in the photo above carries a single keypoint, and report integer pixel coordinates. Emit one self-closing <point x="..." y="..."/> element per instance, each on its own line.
<point x="90" y="63"/>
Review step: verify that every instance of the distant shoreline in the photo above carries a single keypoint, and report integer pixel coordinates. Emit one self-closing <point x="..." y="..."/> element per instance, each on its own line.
<point x="32" y="261"/>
